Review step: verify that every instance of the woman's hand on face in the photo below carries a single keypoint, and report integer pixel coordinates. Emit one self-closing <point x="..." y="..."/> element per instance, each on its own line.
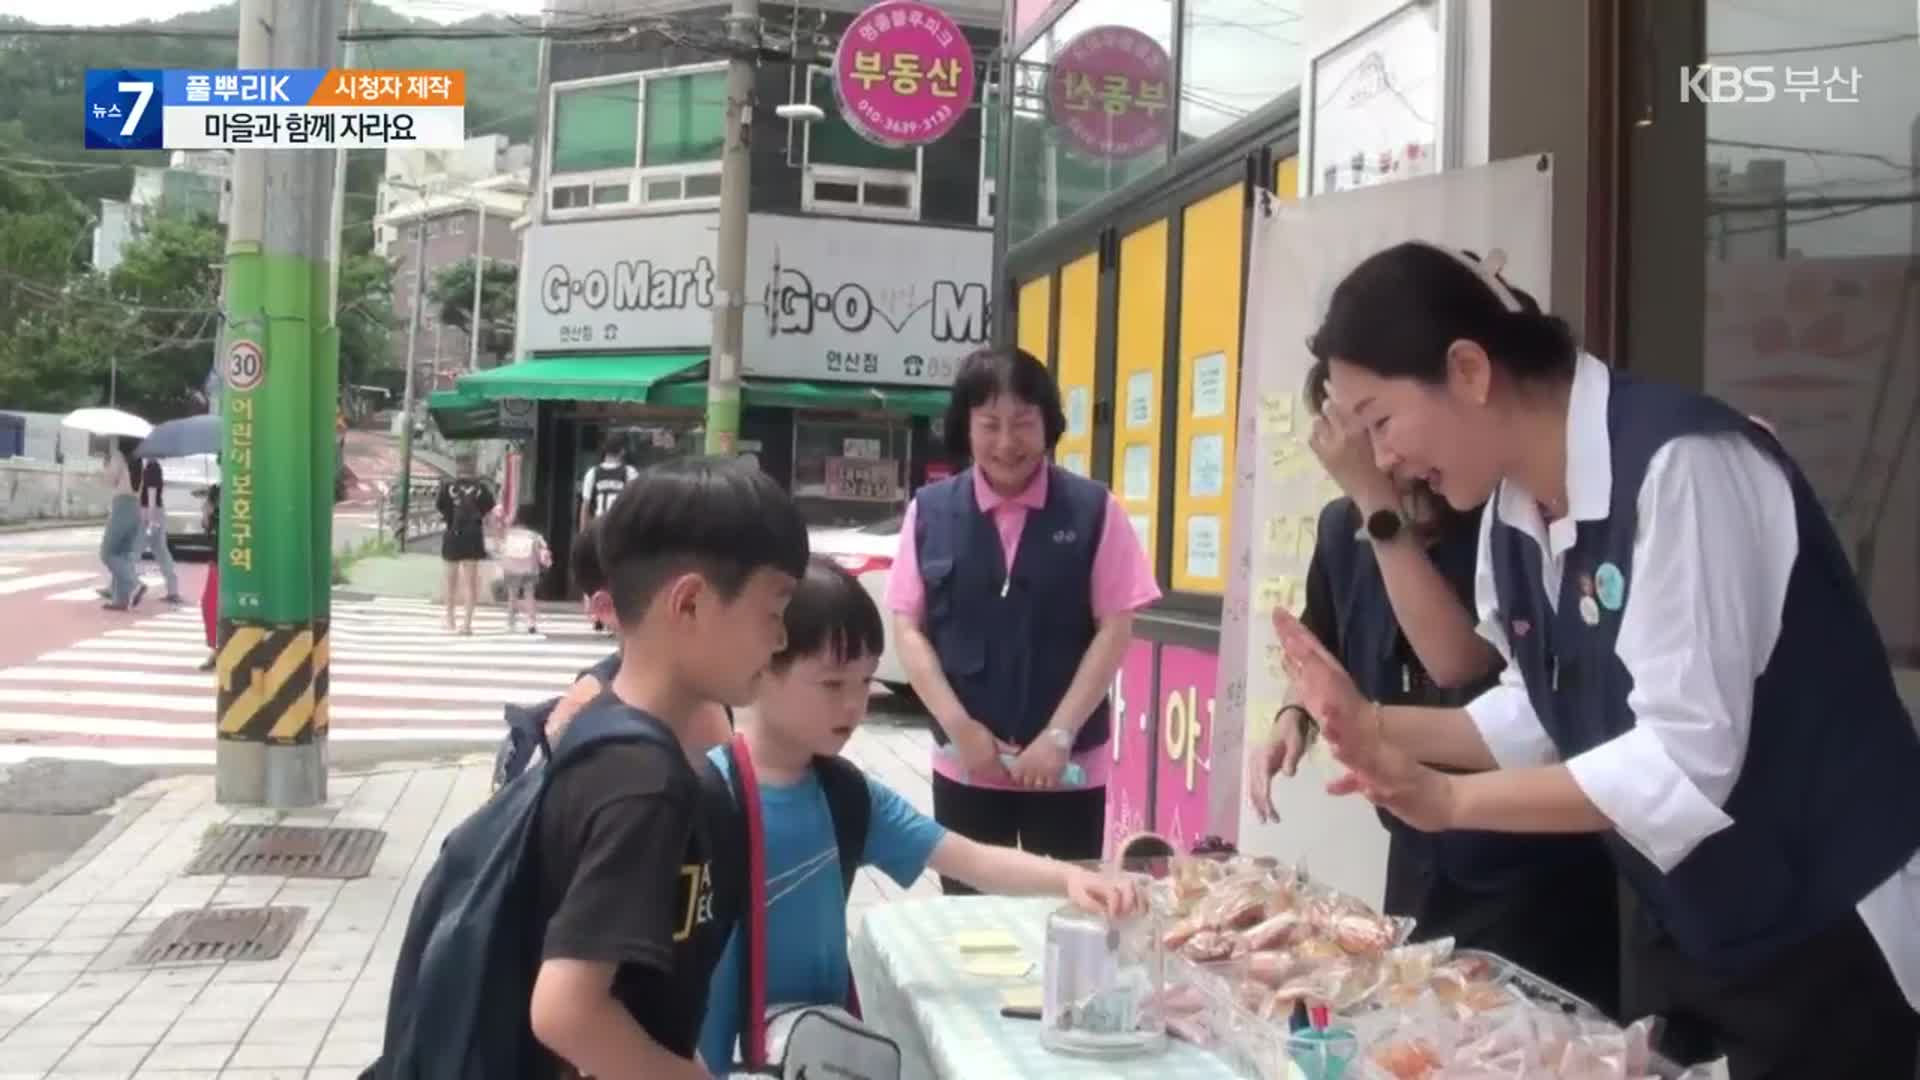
<point x="1345" y="450"/>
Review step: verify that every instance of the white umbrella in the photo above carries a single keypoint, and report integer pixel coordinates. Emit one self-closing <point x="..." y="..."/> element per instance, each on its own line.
<point x="107" y="422"/>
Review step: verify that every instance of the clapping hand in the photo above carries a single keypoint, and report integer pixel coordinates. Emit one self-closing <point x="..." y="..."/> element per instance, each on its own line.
<point x="1384" y="774"/>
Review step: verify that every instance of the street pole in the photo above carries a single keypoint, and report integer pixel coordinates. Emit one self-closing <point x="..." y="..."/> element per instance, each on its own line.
<point x="479" y="271"/>
<point x="730" y="291"/>
<point x="337" y="244"/>
<point x="282" y="377"/>
<point x="407" y="384"/>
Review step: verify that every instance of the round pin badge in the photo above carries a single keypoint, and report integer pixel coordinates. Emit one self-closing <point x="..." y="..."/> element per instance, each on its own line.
<point x="1611" y="584"/>
<point x="1589" y="611"/>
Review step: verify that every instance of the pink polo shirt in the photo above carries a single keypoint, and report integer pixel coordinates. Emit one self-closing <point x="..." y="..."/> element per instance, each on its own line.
<point x="1122" y="582"/>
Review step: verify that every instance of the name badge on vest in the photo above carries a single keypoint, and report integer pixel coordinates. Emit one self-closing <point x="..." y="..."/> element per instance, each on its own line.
<point x="1589" y="607"/>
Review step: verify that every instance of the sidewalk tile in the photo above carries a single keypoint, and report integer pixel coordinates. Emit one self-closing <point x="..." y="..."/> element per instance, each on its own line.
<point x="102" y="1059"/>
<point x="205" y="1059"/>
<point x="189" y="1030"/>
<point x="119" y="1033"/>
<point x="289" y="1053"/>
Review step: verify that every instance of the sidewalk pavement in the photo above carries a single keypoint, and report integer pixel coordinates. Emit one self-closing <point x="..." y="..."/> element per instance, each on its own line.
<point x="73" y="1006"/>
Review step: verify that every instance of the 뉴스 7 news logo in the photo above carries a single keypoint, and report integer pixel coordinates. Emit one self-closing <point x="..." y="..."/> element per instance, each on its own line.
<point x="123" y="110"/>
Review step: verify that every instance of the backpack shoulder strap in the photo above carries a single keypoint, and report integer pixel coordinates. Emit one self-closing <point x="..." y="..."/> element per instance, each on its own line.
<point x="608" y="719"/>
<point x="753" y="912"/>
<point x="851" y="804"/>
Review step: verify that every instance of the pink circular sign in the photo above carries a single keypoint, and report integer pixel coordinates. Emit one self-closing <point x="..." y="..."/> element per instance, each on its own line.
<point x="1109" y="93"/>
<point x="904" y="73"/>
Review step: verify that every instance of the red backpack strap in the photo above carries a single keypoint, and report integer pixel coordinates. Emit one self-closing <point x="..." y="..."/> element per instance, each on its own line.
<point x="753" y="1026"/>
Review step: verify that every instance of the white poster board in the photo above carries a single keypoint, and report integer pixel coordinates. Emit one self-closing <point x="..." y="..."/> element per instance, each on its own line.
<point x="1298" y="253"/>
<point x="1382" y="101"/>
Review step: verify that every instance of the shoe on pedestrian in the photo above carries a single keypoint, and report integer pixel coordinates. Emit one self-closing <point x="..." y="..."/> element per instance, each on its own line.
<point x="113" y="607"/>
<point x="207" y="664"/>
<point x="139" y="594"/>
<point x="176" y="599"/>
<point x="104" y="594"/>
<point x="534" y="630"/>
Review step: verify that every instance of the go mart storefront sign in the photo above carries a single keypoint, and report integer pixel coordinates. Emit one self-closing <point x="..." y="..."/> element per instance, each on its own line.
<point x="827" y="299"/>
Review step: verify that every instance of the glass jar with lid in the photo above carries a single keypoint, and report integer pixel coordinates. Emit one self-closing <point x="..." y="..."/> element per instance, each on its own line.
<point x="1104" y="981"/>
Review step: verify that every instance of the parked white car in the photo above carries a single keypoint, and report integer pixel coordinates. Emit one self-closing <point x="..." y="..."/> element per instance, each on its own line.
<point x="867" y="553"/>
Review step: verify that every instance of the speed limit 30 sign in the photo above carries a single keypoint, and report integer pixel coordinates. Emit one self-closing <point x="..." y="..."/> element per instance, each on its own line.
<point x="246" y="366"/>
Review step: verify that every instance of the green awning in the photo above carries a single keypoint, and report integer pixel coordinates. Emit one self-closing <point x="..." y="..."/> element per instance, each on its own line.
<point x="462" y="416"/>
<point x="796" y="394"/>
<point x="579" y="378"/>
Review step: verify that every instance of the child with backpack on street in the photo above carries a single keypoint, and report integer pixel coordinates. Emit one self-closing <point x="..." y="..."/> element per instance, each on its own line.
<point x="523" y="555"/>
<point x="816" y="805"/>
<point x="570" y="927"/>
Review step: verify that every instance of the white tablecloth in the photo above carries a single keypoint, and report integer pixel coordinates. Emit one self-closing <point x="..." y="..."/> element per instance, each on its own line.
<point x="914" y="986"/>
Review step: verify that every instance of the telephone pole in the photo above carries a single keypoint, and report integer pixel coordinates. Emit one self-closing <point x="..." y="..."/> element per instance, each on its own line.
<point x="337" y="244"/>
<point x="407" y="391"/>
<point x="479" y="273"/>
<point x="282" y="373"/>
<point x="730" y="290"/>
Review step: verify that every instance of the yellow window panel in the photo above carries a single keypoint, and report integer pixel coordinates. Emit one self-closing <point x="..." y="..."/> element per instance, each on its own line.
<point x="1036" y="317"/>
<point x="1210" y="261"/>
<point x="1079" y="330"/>
<point x="1140" y="359"/>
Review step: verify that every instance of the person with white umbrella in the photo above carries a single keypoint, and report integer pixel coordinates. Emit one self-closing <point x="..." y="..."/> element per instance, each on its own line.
<point x="118" y="540"/>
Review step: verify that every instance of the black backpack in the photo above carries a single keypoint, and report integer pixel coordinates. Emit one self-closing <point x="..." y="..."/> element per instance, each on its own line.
<point x="458" y="1009"/>
<point x="845" y="786"/>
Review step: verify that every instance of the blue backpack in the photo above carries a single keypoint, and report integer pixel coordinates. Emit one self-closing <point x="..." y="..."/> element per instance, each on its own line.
<point x="459" y="1007"/>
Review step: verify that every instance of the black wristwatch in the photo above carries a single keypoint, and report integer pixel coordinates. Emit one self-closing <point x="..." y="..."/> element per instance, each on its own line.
<point x="1384" y="525"/>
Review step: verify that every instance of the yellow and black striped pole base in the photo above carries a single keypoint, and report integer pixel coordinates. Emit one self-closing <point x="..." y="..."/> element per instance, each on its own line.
<point x="272" y="712"/>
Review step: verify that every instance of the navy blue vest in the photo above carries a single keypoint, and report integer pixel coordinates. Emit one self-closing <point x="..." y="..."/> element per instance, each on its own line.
<point x="1385" y="670"/>
<point x="1010" y="642"/>
<point x="1827" y="804"/>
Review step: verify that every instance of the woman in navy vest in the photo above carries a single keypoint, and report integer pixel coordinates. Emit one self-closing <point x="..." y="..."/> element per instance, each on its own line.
<point x="1692" y="671"/>
<point x="1390" y="592"/>
<point x="1013" y="595"/>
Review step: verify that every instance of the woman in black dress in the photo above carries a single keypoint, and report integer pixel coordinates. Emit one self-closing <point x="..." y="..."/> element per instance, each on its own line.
<point x="464" y="503"/>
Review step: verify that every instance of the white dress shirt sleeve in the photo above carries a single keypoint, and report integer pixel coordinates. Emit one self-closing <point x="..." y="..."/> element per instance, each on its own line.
<point x="1716" y="545"/>
<point x="1503" y="714"/>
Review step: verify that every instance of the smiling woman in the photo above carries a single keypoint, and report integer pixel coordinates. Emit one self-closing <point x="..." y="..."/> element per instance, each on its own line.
<point x="1013" y="593"/>
<point x="1680" y="625"/>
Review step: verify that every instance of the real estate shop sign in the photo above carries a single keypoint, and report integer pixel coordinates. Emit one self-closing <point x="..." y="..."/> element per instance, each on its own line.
<point x="828" y="299"/>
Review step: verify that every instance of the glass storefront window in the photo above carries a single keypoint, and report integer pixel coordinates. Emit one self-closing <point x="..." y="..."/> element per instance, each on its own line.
<point x="848" y="470"/>
<point x="1775" y="229"/>
<point x="1235" y="57"/>
<point x="686" y="118"/>
<point x="1092" y="110"/>
<point x="596" y="127"/>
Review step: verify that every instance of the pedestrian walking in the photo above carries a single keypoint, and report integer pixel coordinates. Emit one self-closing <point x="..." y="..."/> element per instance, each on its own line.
<point x="1013" y="592"/>
<point x="603" y="483"/>
<point x="464" y="503"/>
<point x="523" y="555"/>
<point x="1692" y="672"/>
<point x="119" y="541"/>
<point x="153" y="526"/>
<point x="210" y="593"/>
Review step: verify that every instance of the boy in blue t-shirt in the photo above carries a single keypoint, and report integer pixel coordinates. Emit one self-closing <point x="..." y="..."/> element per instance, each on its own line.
<point x="809" y="703"/>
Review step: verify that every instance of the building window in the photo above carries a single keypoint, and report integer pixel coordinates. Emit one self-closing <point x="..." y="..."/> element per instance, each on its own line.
<point x="649" y="140"/>
<point x="844" y="173"/>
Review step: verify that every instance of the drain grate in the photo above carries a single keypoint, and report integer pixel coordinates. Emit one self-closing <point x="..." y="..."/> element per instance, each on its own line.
<point x="212" y="935"/>
<point x="288" y="851"/>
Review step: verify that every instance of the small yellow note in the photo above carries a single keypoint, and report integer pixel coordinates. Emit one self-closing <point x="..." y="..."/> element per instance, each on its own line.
<point x="1276" y="414"/>
<point x="986" y="941"/>
<point x="999" y="966"/>
<point x="1026" y="996"/>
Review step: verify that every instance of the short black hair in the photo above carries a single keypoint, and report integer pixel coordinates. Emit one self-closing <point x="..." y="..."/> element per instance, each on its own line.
<point x="988" y="374"/>
<point x="1315" y="390"/>
<point x="583" y="560"/>
<point x="1397" y="313"/>
<point x="614" y="445"/>
<point x="717" y="516"/>
<point x="831" y="613"/>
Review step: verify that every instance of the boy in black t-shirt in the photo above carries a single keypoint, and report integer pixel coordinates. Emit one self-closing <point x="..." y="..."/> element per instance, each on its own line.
<point x="701" y="557"/>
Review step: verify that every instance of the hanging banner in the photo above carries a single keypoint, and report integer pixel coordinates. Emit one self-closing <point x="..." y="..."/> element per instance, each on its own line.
<point x="903" y="73"/>
<point x="1297" y="253"/>
<point x="1107" y="94"/>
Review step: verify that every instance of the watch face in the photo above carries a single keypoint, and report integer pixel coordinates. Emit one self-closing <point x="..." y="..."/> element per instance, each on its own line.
<point x="1383" y="524"/>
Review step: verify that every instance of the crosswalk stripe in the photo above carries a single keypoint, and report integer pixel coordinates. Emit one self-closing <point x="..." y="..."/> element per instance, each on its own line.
<point x="203" y="704"/>
<point x="495" y="673"/>
<point x="185" y="653"/>
<point x="111" y="755"/>
<point x="357" y="644"/>
<point x="110" y="727"/>
<point x="337" y="688"/>
<point x="44" y="581"/>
